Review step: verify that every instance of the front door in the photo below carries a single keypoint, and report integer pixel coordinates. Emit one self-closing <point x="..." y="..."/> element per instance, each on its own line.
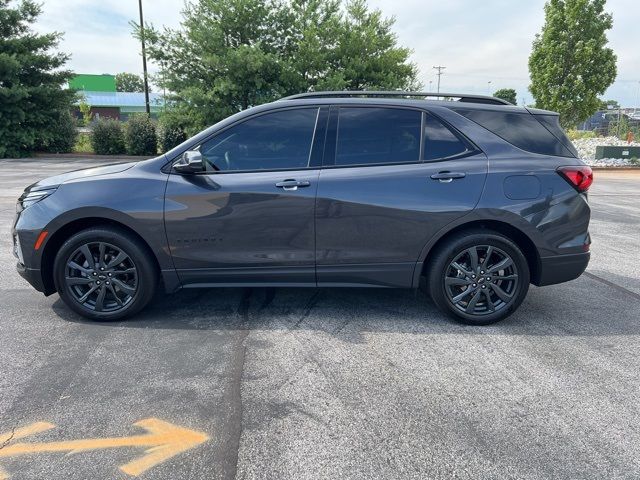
<point x="249" y="219"/>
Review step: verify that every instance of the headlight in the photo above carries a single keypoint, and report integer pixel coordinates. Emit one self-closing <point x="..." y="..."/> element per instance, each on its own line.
<point x="29" y="198"/>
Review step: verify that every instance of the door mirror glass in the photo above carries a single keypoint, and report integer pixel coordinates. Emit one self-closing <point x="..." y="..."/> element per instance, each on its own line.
<point x="191" y="162"/>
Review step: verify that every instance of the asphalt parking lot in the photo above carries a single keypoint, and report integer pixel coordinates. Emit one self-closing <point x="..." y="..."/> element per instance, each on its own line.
<point x="297" y="384"/>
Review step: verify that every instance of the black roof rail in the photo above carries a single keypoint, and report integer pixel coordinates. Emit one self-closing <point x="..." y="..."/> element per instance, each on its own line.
<point x="461" y="97"/>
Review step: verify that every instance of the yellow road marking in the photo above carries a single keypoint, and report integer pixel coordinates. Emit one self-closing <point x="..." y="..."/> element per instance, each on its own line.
<point x="163" y="441"/>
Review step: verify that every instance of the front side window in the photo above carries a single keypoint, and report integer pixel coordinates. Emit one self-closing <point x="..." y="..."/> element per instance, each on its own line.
<point x="377" y="136"/>
<point x="439" y="141"/>
<point x="273" y="141"/>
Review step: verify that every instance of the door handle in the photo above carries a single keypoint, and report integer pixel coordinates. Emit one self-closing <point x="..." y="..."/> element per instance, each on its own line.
<point x="446" y="177"/>
<point x="291" y="184"/>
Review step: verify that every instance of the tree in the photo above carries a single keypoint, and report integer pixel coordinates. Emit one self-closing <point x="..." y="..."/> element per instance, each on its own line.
<point x="608" y="105"/>
<point x="129" y="82"/>
<point x="508" y="94"/>
<point x="229" y="55"/>
<point x="570" y="64"/>
<point x="32" y="98"/>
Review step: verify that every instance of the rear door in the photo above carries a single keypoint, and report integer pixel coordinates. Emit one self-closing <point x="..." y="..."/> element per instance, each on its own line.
<point x="392" y="178"/>
<point x="249" y="219"/>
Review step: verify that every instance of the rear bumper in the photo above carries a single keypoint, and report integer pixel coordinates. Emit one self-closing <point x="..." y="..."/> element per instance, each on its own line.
<point x="33" y="276"/>
<point x="562" y="268"/>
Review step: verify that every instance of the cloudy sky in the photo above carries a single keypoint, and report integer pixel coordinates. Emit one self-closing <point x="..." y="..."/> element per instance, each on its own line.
<point x="478" y="41"/>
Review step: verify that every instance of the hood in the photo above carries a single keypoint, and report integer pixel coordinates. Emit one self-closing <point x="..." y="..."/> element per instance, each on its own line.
<point x="78" y="174"/>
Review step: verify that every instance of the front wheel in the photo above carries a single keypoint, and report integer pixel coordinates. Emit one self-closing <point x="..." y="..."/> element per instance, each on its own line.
<point x="479" y="277"/>
<point x="104" y="274"/>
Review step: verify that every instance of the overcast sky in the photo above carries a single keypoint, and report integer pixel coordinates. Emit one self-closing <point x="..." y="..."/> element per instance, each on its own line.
<point x="478" y="41"/>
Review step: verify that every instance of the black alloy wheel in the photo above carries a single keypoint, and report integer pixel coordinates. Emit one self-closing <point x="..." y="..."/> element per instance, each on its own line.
<point x="105" y="273"/>
<point x="479" y="277"/>
<point x="101" y="277"/>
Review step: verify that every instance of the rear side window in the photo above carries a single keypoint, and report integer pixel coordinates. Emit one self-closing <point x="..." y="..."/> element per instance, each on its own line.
<point x="519" y="129"/>
<point x="439" y="141"/>
<point x="552" y="123"/>
<point x="377" y="135"/>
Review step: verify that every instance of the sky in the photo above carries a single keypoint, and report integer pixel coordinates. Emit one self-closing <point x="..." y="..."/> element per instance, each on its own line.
<point x="478" y="41"/>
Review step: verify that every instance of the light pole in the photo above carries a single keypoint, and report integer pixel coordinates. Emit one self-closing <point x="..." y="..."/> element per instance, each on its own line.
<point x="489" y="87"/>
<point x="430" y="85"/>
<point x="635" y="109"/>
<point x="144" y="62"/>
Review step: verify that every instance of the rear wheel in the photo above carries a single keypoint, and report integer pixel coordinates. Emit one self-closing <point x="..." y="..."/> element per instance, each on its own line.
<point x="104" y="274"/>
<point x="479" y="277"/>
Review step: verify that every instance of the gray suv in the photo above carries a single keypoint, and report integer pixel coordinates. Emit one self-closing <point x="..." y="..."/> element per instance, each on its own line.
<point x="477" y="197"/>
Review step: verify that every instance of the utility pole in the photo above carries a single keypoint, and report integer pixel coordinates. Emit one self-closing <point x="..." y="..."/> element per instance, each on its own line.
<point x="440" y="69"/>
<point x="144" y="63"/>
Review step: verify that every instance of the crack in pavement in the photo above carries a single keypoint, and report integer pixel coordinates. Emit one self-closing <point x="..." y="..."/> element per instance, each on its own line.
<point x="613" y="285"/>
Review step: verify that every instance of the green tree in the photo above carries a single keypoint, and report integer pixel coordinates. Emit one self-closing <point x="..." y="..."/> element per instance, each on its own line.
<point x="508" y="94"/>
<point x="32" y="98"/>
<point x="129" y="82"/>
<point x="229" y="55"/>
<point x="570" y="64"/>
<point x="608" y="105"/>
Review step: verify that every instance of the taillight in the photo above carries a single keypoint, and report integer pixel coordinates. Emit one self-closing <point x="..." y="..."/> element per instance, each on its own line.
<point x="580" y="176"/>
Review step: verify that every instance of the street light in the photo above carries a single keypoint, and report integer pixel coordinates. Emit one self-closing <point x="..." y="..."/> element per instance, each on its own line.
<point x="430" y="85"/>
<point x="144" y="62"/>
<point x="489" y="87"/>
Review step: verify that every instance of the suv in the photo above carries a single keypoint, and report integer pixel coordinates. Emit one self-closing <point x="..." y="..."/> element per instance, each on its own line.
<point x="349" y="189"/>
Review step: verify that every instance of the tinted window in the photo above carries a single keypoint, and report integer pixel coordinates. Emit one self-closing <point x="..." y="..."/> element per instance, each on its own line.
<point x="377" y="135"/>
<point x="439" y="141"/>
<point x="552" y="123"/>
<point x="271" y="141"/>
<point x="519" y="129"/>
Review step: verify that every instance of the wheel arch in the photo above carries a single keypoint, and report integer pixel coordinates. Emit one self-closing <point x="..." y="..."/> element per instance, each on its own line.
<point x="55" y="241"/>
<point x="521" y="239"/>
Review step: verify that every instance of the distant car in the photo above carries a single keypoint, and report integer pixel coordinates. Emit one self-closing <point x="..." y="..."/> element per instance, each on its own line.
<point x="333" y="189"/>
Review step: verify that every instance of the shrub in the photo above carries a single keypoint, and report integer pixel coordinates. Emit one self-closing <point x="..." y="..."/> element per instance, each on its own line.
<point x="170" y="134"/>
<point x="83" y="143"/>
<point x="107" y="137"/>
<point x="140" y="136"/>
<point x="580" y="134"/>
<point x="60" y="135"/>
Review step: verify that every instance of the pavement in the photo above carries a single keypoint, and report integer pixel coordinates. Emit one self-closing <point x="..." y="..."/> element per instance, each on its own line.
<point x="314" y="384"/>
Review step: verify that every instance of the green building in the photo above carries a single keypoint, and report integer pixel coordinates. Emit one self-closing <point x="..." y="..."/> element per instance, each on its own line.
<point x="94" y="83"/>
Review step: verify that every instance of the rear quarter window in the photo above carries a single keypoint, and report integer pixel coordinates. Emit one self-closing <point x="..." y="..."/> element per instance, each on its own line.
<point x="519" y="129"/>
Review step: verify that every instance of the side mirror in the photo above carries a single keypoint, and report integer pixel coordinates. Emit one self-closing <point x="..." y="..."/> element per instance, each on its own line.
<point x="191" y="162"/>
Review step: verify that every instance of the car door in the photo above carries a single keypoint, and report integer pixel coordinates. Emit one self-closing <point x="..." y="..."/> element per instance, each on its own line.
<point x="392" y="178"/>
<point x="249" y="218"/>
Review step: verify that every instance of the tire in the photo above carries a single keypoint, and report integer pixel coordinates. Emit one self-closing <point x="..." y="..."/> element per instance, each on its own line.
<point x="465" y="294"/>
<point x="121" y="267"/>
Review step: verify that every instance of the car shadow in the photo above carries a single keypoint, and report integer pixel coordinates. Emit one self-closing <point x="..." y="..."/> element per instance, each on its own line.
<point x="580" y="308"/>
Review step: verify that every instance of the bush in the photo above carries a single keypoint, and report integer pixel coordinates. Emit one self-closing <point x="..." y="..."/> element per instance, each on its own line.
<point x="83" y="143"/>
<point x="140" y="136"/>
<point x="170" y="134"/>
<point x="107" y="137"/>
<point x="580" y="134"/>
<point x="60" y="136"/>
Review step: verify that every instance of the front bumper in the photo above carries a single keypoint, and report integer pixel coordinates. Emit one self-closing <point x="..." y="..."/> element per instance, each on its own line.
<point x="33" y="276"/>
<point x="562" y="268"/>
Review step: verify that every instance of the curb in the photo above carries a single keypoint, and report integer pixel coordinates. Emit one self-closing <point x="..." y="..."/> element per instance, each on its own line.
<point x="91" y="156"/>
<point x="616" y="169"/>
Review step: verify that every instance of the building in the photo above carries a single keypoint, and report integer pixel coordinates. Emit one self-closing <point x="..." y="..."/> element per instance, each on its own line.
<point x="99" y="92"/>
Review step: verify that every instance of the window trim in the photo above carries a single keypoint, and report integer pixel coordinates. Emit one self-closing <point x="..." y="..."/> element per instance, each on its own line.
<point x="309" y="167"/>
